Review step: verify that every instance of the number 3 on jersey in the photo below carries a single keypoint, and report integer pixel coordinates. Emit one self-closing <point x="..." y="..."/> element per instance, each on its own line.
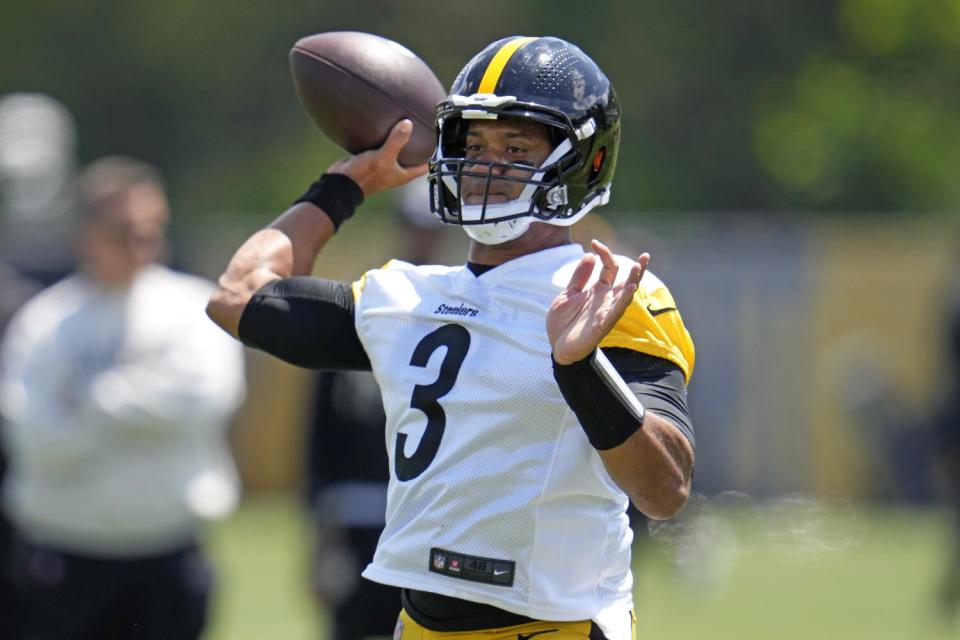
<point x="425" y="397"/>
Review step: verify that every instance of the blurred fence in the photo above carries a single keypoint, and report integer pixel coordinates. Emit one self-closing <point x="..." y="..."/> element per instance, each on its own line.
<point x="820" y="346"/>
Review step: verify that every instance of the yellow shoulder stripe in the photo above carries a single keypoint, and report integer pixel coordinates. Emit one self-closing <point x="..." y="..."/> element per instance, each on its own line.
<point x="357" y="288"/>
<point x="652" y="325"/>
<point x="357" y="285"/>
<point x="491" y="76"/>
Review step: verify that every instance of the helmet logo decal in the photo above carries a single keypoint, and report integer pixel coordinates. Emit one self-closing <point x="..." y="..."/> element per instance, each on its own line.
<point x="491" y="76"/>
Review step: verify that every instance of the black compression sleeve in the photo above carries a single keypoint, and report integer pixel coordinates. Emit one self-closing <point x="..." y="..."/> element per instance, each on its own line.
<point x="305" y="321"/>
<point x="659" y="385"/>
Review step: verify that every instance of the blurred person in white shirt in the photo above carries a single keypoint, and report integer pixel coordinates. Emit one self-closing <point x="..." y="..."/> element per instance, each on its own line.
<point x="117" y="391"/>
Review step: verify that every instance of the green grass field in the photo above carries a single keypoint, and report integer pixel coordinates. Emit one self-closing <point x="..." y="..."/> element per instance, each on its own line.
<point x="788" y="571"/>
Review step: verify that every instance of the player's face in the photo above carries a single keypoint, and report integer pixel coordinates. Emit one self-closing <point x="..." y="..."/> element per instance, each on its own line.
<point x="515" y="141"/>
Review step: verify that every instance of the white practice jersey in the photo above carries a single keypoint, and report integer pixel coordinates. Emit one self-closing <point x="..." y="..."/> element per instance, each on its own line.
<point x="116" y="406"/>
<point x="495" y="495"/>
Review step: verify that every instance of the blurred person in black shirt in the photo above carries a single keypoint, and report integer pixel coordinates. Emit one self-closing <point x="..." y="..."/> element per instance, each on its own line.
<point x="946" y="434"/>
<point x="347" y="470"/>
<point x="37" y="159"/>
<point x="15" y="289"/>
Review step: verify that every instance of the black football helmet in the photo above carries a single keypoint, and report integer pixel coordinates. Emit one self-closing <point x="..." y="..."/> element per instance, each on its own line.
<point x="545" y="80"/>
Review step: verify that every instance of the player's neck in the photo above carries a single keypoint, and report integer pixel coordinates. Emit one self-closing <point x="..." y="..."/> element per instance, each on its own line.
<point x="538" y="237"/>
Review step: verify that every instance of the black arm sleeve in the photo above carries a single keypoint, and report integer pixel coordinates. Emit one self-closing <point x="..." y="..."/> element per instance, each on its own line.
<point x="305" y="321"/>
<point x="658" y="384"/>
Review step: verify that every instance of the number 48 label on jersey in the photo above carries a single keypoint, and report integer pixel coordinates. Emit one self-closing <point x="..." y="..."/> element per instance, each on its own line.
<point x="473" y="568"/>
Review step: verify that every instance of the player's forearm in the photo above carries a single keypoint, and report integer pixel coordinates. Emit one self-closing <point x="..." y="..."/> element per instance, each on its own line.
<point x="654" y="467"/>
<point x="646" y="455"/>
<point x="288" y="247"/>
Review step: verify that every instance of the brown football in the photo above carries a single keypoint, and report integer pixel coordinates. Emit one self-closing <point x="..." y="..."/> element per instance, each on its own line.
<point x="356" y="86"/>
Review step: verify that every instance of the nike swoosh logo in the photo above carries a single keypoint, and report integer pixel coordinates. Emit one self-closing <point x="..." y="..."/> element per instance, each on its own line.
<point x="527" y="636"/>
<point x="500" y="572"/>
<point x="656" y="312"/>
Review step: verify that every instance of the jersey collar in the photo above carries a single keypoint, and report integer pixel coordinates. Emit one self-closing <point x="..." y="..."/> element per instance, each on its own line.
<point x="528" y="262"/>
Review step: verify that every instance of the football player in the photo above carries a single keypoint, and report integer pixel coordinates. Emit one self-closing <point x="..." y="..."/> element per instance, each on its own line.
<point x="529" y="393"/>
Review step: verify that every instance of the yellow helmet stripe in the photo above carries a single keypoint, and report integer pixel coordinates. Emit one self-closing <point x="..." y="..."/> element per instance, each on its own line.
<point x="492" y="75"/>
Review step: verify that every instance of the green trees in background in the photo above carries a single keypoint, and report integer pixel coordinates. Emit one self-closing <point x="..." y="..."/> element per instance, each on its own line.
<point x="833" y="106"/>
<point x="869" y="119"/>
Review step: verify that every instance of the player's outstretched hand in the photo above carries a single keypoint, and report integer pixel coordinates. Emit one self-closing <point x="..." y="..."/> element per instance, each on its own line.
<point x="378" y="169"/>
<point x="581" y="316"/>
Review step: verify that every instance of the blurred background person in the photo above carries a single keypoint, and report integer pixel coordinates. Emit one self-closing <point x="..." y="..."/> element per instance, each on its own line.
<point x="37" y="171"/>
<point x="347" y="470"/>
<point x="116" y="391"/>
<point x="15" y="289"/>
<point x="946" y="437"/>
<point x="37" y="140"/>
<point x="917" y="453"/>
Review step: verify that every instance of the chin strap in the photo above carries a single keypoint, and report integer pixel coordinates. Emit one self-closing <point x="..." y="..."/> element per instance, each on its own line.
<point x="498" y="232"/>
<point x="597" y="199"/>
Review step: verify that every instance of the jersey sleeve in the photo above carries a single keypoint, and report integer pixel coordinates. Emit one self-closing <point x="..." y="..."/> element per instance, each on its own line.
<point x="357" y="287"/>
<point x="652" y="324"/>
<point x="659" y="385"/>
<point x="307" y="322"/>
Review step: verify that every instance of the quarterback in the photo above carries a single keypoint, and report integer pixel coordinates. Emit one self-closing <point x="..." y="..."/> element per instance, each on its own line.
<point x="529" y="393"/>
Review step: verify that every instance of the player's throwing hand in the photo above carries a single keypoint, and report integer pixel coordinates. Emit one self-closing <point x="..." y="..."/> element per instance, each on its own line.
<point x="379" y="169"/>
<point x="580" y="316"/>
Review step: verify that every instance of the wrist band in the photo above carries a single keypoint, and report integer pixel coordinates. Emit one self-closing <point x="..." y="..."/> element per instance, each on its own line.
<point x="603" y="403"/>
<point x="338" y="195"/>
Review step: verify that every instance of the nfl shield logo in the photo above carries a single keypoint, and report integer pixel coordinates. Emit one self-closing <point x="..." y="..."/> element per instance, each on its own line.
<point x="439" y="561"/>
